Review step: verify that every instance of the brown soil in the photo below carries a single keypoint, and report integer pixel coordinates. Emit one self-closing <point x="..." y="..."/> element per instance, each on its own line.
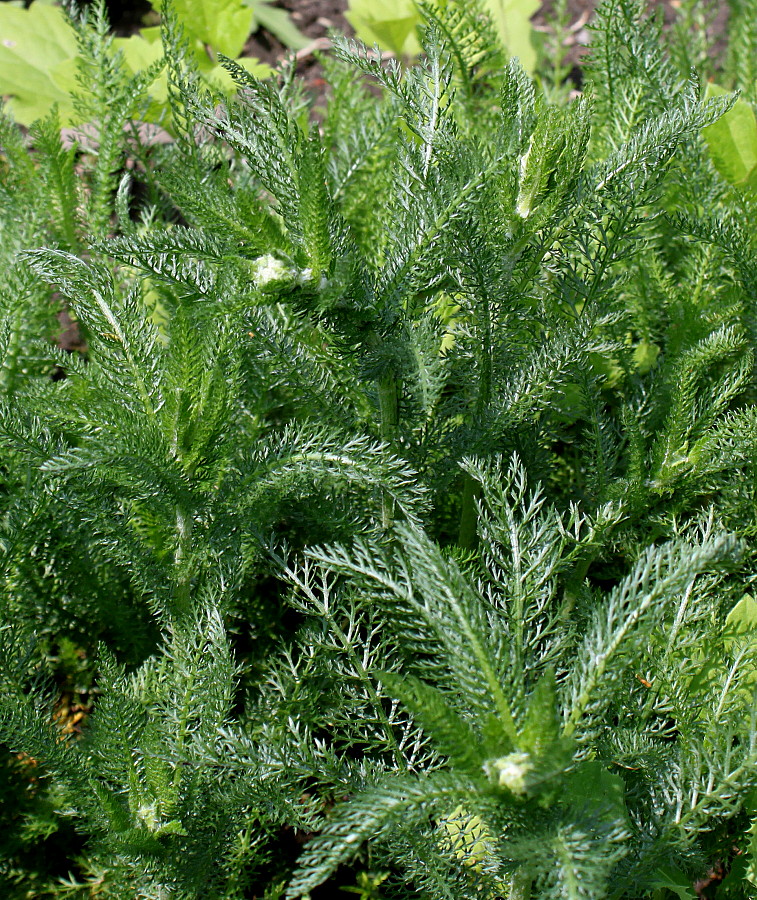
<point x="315" y="18"/>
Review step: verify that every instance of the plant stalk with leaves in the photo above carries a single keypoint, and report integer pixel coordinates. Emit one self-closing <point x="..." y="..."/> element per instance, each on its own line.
<point x="392" y="521"/>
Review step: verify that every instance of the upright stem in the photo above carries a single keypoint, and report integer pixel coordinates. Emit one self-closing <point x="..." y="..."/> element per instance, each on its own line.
<point x="574" y="582"/>
<point x="184" y="517"/>
<point x="468" y="519"/>
<point x="184" y="581"/>
<point x="471" y="488"/>
<point x="520" y="886"/>
<point x="389" y="411"/>
<point x="9" y="365"/>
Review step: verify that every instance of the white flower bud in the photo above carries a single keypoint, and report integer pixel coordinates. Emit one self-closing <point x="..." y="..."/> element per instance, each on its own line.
<point x="147" y="813"/>
<point x="268" y="269"/>
<point x="510" y="771"/>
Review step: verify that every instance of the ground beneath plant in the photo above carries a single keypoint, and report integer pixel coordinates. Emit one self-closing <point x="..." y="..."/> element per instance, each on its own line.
<point x="315" y="18"/>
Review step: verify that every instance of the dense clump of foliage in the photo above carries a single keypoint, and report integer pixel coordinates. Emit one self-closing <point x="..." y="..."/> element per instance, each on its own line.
<point x="392" y="526"/>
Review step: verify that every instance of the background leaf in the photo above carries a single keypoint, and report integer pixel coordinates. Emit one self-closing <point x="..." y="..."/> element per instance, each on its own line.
<point x="672" y="881"/>
<point x="224" y="24"/>
<point x="278" y="22"/>
<point x="512" y="19"/>
<point x="732" y="140"/>
<point x="33" y="44"/>
<point x="390" y="24"/>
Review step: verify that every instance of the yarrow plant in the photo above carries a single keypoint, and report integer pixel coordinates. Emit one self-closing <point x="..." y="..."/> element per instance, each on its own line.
<point x="389" y="526"/>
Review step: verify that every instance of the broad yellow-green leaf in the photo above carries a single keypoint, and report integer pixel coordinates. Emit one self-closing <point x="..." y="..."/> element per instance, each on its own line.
<point x="645" y="356"/>
<point x="398" y="35"/>
<point x="34" y="42"/>
<point x="391" y="24"/>
<point x="223" y="24"/>
<point x="278" y="22"/>
<point x="468" y="836"/>
<point x="732" y="140"/>
<point x="151" y="34"/>
<point x="39" y="55"/>
<point x="742" y="619"/>
<point x="740" y="629"/>
<point x="139" y="53"/>
<point x="65" y="75"/>
<point x="512" y="19"/>
<point x="220" y="78"/>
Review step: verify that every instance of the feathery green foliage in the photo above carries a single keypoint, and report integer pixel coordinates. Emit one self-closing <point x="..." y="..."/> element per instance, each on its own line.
<point x="389" y="523"/>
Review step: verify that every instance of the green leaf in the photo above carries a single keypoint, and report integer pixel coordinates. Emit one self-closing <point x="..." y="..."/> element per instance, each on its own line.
<point x="742" y="619"/>
<point x="740" y="627"/>
<point x="594" y="785"/>
<point x="512" y="19"/>
<point x="39" y="55"/>
<point x="34" y="42"/>
<point x="453" y="735"/>
<point x="390" y="24"/>
<point x="139" y="52"/>
<point x="143" y="50"/>
<point x="741" y="630"/>
<point x="279" y="23"/>
<point x="468" y="836"/>
<point x="732" y="140"/>
<point x="221" y="79"/>
<point x="675" y="882"/>
<point x="223" y="24"/>
<point x="151" y="34"/>
<point x="645" y="356"/>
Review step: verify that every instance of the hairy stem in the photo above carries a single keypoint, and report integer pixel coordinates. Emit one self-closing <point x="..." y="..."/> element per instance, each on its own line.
<point x="468" y="518"/>
<point x="471" y="489"/>
<point x="184" y="575"/>
<point x="9" y="365"/>
<point x="389" y="410"/>
<point x="520" y="886"/>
